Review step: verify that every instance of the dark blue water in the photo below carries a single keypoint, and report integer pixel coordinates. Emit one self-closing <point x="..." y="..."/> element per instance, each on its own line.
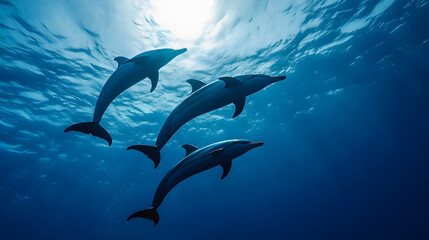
<point x="346" y="135"/>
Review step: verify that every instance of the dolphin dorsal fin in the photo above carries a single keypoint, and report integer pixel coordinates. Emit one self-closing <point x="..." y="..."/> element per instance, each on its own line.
<point x="121" y="60"/>
<point x="195" y="84"/>
<point x="239" y="105"/>
<point x="214" y="152"/>
<point x="189" y="149"/>
<point x="230" y="82"/>
<point x="226" y="168"/>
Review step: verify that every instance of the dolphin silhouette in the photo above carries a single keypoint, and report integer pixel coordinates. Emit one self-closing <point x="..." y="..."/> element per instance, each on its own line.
<point x="205" y="98"/>
<point x="196" y="161"/>
<point x="128" y="73"/>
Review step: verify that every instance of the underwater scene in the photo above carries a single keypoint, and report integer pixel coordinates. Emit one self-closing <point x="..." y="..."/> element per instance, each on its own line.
<point x="214" y="119"/>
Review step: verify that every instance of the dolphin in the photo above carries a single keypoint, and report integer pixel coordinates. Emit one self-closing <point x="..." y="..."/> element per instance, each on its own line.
<point x="196" y="161"/>
<point x="206" y="98"/>
<point x="128" y="73"/>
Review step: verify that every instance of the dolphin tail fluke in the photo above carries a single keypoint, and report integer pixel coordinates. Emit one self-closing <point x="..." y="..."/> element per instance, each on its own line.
<point x="100" y="132"/>
<point x="91" y="128"/>
<point x="149" y="213"/>
<point x="151" y="152"/>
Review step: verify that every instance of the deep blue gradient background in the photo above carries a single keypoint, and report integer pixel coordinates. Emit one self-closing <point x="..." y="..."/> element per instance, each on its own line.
<point x="346" y="147"/>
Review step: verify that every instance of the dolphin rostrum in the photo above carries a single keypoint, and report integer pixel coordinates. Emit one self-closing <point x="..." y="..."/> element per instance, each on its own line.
<point x="205" y="98"/>
<point x="128" y="73"/>
<point x="196" y="161"/>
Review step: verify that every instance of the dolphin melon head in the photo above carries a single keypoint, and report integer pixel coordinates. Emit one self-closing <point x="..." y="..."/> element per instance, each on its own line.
<point x="164" y="56"/>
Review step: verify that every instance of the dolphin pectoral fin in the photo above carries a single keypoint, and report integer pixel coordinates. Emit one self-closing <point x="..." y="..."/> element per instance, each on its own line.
<point x="239" y="105"/>
<point x="149" y="213"/>
<point x="154" y="79"/>
<point x="121" y="60"/>
<point x="195" y="84"/>
<point x="139" y="60"/>
<point x="91" y="128"/>
<point x="230" y="82"/>
<point x="214" y="152"/>
<point x="226" y="168"/>
<point x="189" y="149"/>
<point x="151" y="152"/>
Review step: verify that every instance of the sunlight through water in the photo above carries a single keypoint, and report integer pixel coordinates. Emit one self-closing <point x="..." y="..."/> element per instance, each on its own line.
<point x="185" y="19"/>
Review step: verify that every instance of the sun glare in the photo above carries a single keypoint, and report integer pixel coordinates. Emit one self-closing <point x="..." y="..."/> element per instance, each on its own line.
<point x="185" y="19"/>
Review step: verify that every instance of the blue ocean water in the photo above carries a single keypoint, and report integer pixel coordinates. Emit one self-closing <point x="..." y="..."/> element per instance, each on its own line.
<point x="346" y="134"/>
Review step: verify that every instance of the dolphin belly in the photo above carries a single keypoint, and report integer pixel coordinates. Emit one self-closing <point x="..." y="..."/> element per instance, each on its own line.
<point x="199" y="103"/>
<point x="183" y="170"/>
<point x="122" y="79"/>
